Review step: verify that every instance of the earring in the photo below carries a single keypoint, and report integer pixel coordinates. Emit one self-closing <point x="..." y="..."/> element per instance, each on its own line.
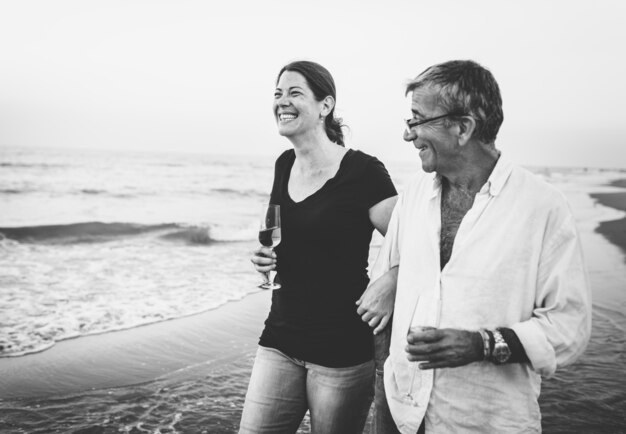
<point x="321" y="118"/>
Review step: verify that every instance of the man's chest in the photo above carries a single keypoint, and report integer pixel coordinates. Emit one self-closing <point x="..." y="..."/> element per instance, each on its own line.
<point x="454" y="206"/>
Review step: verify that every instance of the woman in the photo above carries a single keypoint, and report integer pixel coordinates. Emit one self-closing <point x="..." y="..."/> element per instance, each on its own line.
<point x="315" y="352"/>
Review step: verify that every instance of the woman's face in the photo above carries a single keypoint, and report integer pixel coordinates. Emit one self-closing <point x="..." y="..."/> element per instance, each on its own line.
<point x="296" y="110"/>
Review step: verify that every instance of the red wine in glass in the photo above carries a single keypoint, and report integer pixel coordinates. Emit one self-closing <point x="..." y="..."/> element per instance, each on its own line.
<point x="269" y="236"/>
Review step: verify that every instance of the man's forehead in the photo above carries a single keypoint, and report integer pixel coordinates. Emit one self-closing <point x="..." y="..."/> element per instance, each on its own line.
<point x="423" y="99"/>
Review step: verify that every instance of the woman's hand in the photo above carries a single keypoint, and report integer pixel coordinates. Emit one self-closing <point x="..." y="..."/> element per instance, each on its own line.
<point x="376" y="304"/>
<point x="264" y="260"/>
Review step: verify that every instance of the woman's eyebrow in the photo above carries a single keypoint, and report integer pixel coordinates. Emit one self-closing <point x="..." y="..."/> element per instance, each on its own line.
<point x="291" y="88"/>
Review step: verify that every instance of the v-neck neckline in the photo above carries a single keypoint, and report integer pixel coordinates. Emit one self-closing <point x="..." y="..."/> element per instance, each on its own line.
<point x="322" y="188"/>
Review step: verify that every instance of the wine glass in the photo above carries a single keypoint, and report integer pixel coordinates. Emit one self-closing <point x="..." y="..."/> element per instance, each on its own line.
<point x="414" y="365"/>
<point x="269" y="236"/>
<point x="425" y="314"/>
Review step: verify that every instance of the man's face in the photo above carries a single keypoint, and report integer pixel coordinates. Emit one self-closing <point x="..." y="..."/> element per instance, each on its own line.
<point x="437" y="147"/>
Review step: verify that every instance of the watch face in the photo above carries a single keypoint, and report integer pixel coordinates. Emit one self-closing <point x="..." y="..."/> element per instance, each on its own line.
<point x="501" y="353"/>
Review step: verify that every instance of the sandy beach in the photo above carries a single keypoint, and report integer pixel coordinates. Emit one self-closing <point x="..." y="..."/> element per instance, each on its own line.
<point x="126" y="372"/>
<point x="614" y="231"/>
<point x="137" y="355"/>
<point x="189" y="374"/>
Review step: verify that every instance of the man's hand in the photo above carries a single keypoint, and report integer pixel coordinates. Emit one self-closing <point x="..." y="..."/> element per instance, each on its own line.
<point x="376" y="304"/>
<point x="444" y="348"/>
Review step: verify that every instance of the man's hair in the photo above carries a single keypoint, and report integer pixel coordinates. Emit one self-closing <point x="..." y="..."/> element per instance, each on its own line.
<point x="465" y="87"/>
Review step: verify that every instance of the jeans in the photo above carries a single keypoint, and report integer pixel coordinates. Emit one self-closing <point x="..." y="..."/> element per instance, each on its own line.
<point x="282" y="389"/>
<point x="383" y="422"/>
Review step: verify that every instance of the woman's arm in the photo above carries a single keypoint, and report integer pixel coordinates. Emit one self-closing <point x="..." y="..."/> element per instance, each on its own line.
<point x="376" y="304"/>
<point x="381" y="213"/>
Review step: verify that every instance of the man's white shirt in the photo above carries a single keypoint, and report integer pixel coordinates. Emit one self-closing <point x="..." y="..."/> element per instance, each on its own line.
<point x="516" y="262"/>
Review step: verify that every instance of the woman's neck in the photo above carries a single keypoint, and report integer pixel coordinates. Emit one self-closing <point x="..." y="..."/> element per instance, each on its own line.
<point x="316" y="153"/>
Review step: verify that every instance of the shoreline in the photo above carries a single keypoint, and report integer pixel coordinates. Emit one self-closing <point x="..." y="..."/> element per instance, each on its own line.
<point x="136" y="355"/>
<point x="613" y="230"/>
<point x="191" y="373"/>
<point x="145" y="353"/>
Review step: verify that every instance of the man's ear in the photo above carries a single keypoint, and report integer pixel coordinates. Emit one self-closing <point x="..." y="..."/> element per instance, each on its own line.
<point x="465" y="129"/>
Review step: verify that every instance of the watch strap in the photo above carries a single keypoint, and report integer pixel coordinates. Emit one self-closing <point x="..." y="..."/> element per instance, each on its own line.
<point x="497" y="336"/>
<point x="486" y="343"/>
<point x="501" y="351"/>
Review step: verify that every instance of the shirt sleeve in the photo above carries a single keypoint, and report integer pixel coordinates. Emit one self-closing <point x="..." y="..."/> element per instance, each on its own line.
<point x="389" y="253"/>
<point x="559" y="329"/>
<point x="377" y="183"/>
<point x="279" y="173"/>
<point x="518" y="354"/>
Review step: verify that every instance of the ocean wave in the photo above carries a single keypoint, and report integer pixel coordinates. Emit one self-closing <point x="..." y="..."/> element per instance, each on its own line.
<point x="24" y="340"/>
<point x="145" y="192"/>
<point x="191" y="235"/>
<point x="236" y="192"/>
<point x="92" y="232"/>
<point x="15" y="190"/>
<point x="92" y="191"/>
<point x="30" y="165"/>
<point x="78" y="192"/>
<point x="124" y="193"/>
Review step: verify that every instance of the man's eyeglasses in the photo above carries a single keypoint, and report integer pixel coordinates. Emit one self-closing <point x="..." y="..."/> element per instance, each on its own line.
<point x="412" y="123"/>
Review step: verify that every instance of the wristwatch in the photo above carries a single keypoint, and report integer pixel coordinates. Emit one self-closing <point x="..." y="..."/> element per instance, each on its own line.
<point x="501" y="351"/>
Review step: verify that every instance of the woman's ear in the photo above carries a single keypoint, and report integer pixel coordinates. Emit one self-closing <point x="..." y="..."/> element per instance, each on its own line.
<point x="328" y="104"/>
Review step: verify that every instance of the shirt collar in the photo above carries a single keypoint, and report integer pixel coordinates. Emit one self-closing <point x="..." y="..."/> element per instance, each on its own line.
<point x="494" y="184"/>
<point x="436" y="185"/>
<point x="499" y="176"/>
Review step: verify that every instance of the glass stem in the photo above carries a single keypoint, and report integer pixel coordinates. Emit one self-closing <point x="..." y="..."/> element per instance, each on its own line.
<point x="270" y="279"/>
<point x="410" y="389"/>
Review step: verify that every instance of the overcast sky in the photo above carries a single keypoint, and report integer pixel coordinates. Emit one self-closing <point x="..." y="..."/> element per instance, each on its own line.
<point x="199" y="76"/>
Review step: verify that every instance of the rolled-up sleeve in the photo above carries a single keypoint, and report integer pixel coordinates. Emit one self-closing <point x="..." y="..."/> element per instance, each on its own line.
<point x="389" y="254"/>
<point x="560" y="326"/>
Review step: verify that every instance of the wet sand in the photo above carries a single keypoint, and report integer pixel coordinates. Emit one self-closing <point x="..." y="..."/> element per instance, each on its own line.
<point x="136" y="355"/>
<point x="615" y="230"/>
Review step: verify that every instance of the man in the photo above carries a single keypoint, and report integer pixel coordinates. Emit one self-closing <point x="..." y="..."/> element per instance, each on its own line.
<point x="487" y="262"/>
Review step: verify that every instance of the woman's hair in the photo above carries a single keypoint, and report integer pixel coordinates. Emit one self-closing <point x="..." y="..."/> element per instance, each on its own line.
<point x="322" y="84"/>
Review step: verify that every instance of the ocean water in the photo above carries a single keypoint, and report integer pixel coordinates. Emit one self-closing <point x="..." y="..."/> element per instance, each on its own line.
<point x="93" y="242"/>
<point x="97" y="241"/>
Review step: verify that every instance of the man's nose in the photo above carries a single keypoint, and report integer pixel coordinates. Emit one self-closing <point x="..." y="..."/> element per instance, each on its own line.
<point x="409" y="134"/>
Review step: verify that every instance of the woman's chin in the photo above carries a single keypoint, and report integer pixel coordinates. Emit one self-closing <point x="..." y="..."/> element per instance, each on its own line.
<point x="285" y="131"/>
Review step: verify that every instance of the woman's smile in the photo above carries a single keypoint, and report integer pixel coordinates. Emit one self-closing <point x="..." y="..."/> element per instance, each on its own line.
<point x="287" y="117"/>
